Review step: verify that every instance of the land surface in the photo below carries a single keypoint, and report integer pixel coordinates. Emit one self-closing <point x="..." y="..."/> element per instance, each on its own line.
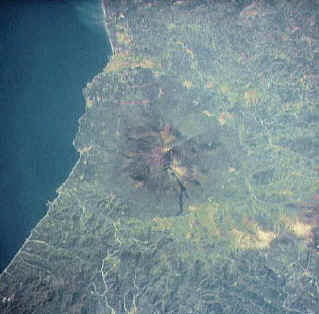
<point x="213" y="222"/>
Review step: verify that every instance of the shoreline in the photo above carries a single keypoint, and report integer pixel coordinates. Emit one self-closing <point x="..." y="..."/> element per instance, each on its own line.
<point x="60" y="188"/>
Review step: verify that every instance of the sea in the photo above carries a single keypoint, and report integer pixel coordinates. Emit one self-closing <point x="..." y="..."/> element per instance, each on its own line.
<point x="49" y="50"/>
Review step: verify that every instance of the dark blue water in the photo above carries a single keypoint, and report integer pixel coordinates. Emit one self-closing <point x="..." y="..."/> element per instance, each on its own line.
<point x="49" y="50"/>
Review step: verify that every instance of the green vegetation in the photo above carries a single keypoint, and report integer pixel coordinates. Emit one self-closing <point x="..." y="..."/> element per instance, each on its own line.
<point x="239" y="82"/>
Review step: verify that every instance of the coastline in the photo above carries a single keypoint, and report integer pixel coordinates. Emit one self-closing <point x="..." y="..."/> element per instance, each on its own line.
<point x="61" y="189"/>
<point x="97" y="245"/>
<point x="105" y="27"/>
